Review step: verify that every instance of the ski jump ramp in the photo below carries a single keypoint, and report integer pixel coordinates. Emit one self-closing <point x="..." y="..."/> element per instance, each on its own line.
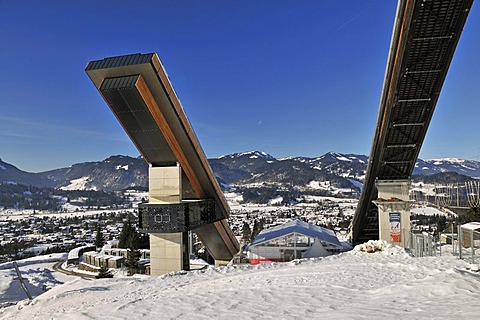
<point x="137" y="89"/>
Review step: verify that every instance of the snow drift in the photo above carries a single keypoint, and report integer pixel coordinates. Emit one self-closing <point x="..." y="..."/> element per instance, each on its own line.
<point x="385" y="284"/>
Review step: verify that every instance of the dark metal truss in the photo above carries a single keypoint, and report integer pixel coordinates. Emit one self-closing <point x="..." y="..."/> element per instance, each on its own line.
<point x="424" y="40"/>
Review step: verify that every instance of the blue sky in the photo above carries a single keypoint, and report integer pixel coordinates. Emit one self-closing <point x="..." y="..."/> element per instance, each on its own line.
<point x="285" y="77"/>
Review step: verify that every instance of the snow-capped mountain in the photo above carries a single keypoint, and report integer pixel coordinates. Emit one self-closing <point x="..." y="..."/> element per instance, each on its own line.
<point x="11" y="174"/>
<point x="345" y="165"/>
<point x="256" y="167"/>
<point x="240" y="169"/>
<point x="113" y="173"/>
<point x="469" y="168"/>
<point x="448" y="177"/>
<point x="247" y="161"/>
<point x="249" y="155"/>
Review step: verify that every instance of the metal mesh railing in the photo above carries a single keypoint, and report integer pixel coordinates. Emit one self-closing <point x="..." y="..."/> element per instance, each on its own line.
<point x="423" y="245"/>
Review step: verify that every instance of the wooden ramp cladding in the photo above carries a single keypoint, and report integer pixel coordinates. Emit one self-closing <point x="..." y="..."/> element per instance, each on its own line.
<point x="424" y="39"/>
<point x="138" y="91"/>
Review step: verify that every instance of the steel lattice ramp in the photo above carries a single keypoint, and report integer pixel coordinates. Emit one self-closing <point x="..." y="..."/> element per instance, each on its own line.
<point x="424" y="40"/>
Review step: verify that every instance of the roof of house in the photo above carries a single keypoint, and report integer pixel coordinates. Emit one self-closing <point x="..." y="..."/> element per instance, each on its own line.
<point x="297" y="226"/>
<point x="77" y="252"/>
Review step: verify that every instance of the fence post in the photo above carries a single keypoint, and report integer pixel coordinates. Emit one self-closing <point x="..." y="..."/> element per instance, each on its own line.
<point x="427" y="245"/>
<point x="419" y="246"/>
<point x="432" y="245"/>
<point x="472" y="246"/>
<point x="414" y="245"/>
<point x="453" y="239"/>
<point x="22" y="282"/>
<point x="459" y="237"/>
<point x="440" y="245"/>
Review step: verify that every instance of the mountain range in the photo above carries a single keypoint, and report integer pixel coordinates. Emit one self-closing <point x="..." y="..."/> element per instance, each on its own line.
<point x="251" y="168"/>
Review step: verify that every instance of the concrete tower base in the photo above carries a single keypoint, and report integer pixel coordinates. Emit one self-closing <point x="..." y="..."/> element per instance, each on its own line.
<point x="394" y="211"/>
<point x="166" y="253"/>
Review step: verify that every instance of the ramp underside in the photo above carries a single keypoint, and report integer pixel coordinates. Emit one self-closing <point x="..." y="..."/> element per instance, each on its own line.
<point x="424" y="40"/>
<point x="139" y="93"/>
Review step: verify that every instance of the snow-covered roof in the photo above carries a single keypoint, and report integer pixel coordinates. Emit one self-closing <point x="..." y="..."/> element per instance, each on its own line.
<point x="114" y="257"/>
<point x="76" y="252"/>
<point x="471" y="226"/>
<point x="103" y="255"/>
<point x="297" y="226"/>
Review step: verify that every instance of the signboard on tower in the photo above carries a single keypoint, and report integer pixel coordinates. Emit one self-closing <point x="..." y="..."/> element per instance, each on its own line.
<point x="395" y="230"/>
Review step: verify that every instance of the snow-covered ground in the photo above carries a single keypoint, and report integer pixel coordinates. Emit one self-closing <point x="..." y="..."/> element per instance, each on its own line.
<point x="14" y="215"/>
<point x="431" y="211"/>
<point x="38" y="274"/>
<point x="353" y="285"/>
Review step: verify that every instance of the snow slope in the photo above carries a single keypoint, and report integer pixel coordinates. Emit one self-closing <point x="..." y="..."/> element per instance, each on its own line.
<point x="78" y="184"/>
<point x="37" y="273"/>
<point x="353" y="285"/>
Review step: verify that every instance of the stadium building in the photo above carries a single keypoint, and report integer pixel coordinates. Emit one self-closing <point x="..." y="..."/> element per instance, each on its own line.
<point x="293" y="240"/>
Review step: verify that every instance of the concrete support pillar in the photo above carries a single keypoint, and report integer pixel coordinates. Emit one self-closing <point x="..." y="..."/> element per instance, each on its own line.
<point x="168" y="251"/>
<point x="394" y="211"/>
<point x="165" y="184"/>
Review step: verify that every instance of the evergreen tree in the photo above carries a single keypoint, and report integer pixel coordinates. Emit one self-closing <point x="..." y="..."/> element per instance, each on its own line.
<point x="441" y="224"/>
<point x="99" y="240"/>
<point x="104" y="272"/>
<point x="133" y="253"/>
<point x="144" y="241"/>
<point x="262" y="224"/>
<point x="472" y="215"/>
<point x="254" y="230"/>
<point x="247" y="232"/>
<point x="125" y="234"/>
<point x="257" y="227"/>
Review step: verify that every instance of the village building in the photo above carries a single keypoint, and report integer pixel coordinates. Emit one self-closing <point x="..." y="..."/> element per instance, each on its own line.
<point x="293" y="240"/>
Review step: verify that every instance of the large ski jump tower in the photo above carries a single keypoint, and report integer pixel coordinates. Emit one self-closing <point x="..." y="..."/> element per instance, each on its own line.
<point x="183" y="192"/>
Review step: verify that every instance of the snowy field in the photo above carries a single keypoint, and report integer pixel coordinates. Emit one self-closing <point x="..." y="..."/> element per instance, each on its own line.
<point x="431" y="211"/>
<point x="15" y="215"/>
<point x="353" y="285"/>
